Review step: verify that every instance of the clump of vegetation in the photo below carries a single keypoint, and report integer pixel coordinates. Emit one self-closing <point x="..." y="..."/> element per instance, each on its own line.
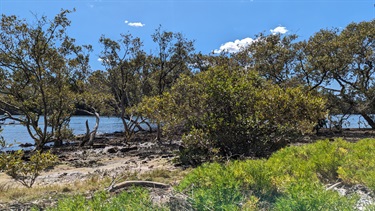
<point x="249" y="103"/>
<point x="294" y="178"/>
<point x="359" y="165"/>
<point x="313" y="196"/>
<point x="41" y="65"/>
<point x="234" y="112"/>
<point x="133" y="199"/>
<point x="26" y="172"/>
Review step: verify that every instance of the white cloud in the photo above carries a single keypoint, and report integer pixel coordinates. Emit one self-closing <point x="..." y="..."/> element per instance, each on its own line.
<point x="237" y="45"/>
<point x="279" y="29"/>
<point x="234" y="47"/>
<point x="134" y="24"/>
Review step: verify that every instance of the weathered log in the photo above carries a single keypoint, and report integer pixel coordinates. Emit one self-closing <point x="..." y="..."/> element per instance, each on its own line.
<point x="149" y="184"/>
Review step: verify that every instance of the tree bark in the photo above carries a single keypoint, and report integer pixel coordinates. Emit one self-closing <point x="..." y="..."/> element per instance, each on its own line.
<point x="368" y="119"/>
<point x="90" y="136"/>
<point x="158" y="138"/>
<point x="93" y="133"/>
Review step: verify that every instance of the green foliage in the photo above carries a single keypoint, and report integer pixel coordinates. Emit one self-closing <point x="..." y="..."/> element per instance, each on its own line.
<point x="133" y="199"/>
<point x="319" y="161"/>
<point x="26" y="172"/>
<point x="170" y="60"/>
<point x="359" y="165"/>
<point x="273" y="56"/>
<point x="344" y="57"/>
<point x="213" y="187"/>
<point x="313" y="196"/>
<point x="230" y="113"/>
<point x="294" y="178"/>
<point x="123" y="61"/>
<point x="40" y="64"/>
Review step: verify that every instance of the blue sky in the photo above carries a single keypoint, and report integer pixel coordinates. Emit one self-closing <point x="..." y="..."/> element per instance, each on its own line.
<point x="213" y="24"/>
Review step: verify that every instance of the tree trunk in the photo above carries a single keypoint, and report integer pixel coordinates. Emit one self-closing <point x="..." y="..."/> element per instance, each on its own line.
<point x="87" y="135"/>
<point x="93" y="133"/>
<point x="368" y="119"/>
<point x="57" y="143"/>
<point x="147" y="123"/>
<point x="158" y="138"/>
<point x="90" y="136"/>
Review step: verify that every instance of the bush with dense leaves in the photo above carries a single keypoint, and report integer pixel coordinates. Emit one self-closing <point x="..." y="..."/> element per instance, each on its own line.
<point x="228" y="113"/>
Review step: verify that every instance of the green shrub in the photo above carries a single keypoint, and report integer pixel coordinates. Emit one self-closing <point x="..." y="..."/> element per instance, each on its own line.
<point x="26" y="172"/>
<point x="213" y="187"/>
<point x="359" y="165"/>
<point x="225" y="187"/>
<point x="302" y="195"/>
<point x="227" y="113"/>
<point x="133" y="199"/>
<point x="316" y="162"/>
<point x="293" y="178"/>
<point x="254" y="176"/>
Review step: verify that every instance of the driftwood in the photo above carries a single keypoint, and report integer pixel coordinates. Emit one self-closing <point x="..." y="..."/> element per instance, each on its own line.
<point x="333" y="186"/>
<point x="149" y="184"/>
<point x="90" y="136"/>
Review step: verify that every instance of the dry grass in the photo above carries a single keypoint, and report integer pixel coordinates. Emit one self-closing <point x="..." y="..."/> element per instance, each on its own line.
<point x="164" y="176"/>
<point x="13" y="192"/>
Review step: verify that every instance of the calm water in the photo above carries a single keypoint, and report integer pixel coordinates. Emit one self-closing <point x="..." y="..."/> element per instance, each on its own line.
<point x="353" y="121"/>
<point x="17" y="132"/>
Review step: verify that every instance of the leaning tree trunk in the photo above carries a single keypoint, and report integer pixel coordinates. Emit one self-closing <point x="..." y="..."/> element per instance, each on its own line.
<point x="368" y="119"/>
<point x="144" y="121"/>
<point x="90" y="136"/>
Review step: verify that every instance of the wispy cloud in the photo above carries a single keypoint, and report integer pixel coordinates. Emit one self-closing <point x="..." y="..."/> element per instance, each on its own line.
<point x="135" y="24"/>
<point x="234" y="47"/>
<point x="279" y="29"/>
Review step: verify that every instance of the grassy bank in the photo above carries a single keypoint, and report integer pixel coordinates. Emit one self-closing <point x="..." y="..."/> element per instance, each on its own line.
<point x="294" y="178"/>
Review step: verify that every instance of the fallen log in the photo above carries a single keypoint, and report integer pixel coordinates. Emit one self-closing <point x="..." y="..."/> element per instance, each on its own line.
<point x="149" y="184"/>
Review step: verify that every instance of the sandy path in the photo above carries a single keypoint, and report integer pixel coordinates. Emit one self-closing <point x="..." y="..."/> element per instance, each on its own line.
<point x="80" y="165"/>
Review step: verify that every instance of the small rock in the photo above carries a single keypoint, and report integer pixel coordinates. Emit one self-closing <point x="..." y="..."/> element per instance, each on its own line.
<point x="167" y="156"/>
<point x="112" y="150"/>
<point x="63" y="174"/>
<point x="127" y="149"/>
